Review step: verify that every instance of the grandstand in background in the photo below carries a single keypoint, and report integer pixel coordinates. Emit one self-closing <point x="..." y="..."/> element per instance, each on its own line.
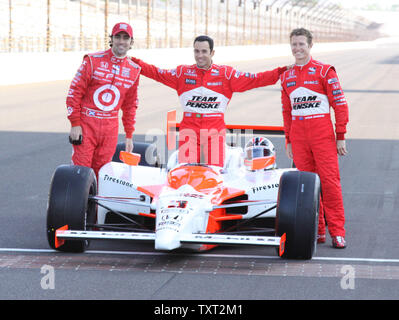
<point x="84" y="25"/>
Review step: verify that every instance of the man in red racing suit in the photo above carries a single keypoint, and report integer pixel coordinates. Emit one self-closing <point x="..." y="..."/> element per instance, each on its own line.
<point x="204" y="91"/>
<point x="308" y="91"/>
<point x="105" y="82"/>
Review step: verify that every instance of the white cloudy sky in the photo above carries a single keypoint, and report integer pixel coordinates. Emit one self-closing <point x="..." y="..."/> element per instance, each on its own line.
<point x="389" y="19"/>
<point x="384" y="4"/>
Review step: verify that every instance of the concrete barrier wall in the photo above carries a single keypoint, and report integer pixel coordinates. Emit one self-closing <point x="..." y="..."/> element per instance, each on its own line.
<point x="22" y="68"/>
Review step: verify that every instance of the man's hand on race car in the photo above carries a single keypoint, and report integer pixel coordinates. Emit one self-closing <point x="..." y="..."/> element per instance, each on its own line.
<point x="288" y="151"/>
<point x="341" y="147"/>
<point x="129" y="145"/>
<point x="75" y="135"/>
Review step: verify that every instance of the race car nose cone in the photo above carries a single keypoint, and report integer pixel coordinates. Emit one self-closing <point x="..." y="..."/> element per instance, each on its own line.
<point x="166" y="240"/>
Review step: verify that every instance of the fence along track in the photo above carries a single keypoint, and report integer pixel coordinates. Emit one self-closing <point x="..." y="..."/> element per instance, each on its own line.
<point x="84" y="25"/>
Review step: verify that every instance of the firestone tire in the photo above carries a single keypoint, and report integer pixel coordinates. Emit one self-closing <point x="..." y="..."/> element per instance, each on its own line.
<point x="297" y="213"/>
<point x="69" y="204"/>
<point x="147" y="151"/>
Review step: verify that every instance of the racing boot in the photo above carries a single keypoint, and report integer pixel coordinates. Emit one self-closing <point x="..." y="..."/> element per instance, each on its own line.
<point x="338" y="242"/>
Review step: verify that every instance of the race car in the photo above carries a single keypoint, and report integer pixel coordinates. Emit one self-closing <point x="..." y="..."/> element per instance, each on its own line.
<point x="186" y="205"/>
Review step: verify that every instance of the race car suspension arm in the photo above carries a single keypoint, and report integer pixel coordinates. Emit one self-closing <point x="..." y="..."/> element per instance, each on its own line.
<point x="124" y="201"/>
<point x="254" y="231"/>
<point x="121" y="215"/>
<point x="248" y="220"/>
<point x="117" y="227"/>
<point x="243" y="204"/>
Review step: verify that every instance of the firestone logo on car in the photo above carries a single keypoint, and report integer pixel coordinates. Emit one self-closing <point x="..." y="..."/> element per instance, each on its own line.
<point x="118" y="181"/>
<point x="265" y="187"/>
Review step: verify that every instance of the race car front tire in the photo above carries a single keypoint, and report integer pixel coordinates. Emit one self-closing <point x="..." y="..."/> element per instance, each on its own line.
<point x="69" y="204"/>
<point x="297" y="213"/>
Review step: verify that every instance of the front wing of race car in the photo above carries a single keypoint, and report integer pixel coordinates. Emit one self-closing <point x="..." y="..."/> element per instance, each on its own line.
<point x="199" y="238"/>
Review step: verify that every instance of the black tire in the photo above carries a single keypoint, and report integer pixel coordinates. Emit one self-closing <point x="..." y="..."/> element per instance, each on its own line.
<point x="68" y="204"/>
<point x="297" y="213"/>
<point x="147" y="151"/>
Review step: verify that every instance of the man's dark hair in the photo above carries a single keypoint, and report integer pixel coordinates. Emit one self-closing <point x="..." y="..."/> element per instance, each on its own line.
<point x="302" y="32"/>
<point x="205" y="38"/>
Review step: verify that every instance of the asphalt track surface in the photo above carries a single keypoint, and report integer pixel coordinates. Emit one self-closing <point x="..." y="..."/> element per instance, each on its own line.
<point x="33" y="142"/>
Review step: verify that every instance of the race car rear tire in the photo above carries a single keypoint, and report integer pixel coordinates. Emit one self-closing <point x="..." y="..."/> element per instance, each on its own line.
<point x="148" y="152"/>
<point x="297" y="213"/>
<point x="68" y="204"/>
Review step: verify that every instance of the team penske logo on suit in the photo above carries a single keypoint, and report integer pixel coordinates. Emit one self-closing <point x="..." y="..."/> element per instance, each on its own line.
<point x="308" y="102"/>
<point x="203" y="100"/>
<point x="305" y="102"/>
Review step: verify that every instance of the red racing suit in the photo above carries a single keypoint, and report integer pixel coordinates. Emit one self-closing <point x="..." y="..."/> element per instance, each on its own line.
<point x="204" y="96"/>
<point x="307" y="93"/>
<point x="103" y="85"/>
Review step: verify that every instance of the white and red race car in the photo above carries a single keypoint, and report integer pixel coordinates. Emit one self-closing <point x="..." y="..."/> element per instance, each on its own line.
<point x="191" y="206"/>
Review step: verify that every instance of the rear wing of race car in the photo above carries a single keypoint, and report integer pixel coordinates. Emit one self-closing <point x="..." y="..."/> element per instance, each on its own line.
<point x="172" y="127"/>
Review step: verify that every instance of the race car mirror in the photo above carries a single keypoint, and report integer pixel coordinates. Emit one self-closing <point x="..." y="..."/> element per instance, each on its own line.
<point x="131" y="159"/>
